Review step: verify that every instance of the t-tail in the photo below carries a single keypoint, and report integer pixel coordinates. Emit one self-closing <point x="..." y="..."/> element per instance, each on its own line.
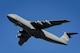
<point x="66" y="36"/>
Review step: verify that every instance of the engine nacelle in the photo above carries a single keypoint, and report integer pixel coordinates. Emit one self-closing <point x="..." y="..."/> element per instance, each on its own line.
<point x="46" y="21"/>
<point x="39" y="22"/>
<point x="20" y="31"/>
<point x="19" y="35"/>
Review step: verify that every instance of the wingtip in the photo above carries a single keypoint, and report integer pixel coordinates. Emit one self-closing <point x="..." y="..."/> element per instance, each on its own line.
<point x="66" y="21"/>
<point x="20" y="44"/>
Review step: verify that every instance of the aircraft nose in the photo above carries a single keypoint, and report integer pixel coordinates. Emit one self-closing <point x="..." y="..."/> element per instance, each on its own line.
<point x="8" y="14"/>
<point x="10" y="17"/>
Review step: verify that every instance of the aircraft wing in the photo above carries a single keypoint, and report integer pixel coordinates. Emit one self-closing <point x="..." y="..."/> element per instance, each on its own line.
<point x="23" y="37"/>
<point x="22" y="40"/>
<point x="45" y="24"/>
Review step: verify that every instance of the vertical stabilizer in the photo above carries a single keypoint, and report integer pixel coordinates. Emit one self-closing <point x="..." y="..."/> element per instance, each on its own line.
<point x="66" y="36"/>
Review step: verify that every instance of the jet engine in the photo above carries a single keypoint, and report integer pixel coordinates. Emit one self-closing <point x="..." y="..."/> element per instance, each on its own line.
<point x="39" y="22"/>
<point x="22" y="34"/>
<point x="48" y="22"/>
<point x="18" y="35"/>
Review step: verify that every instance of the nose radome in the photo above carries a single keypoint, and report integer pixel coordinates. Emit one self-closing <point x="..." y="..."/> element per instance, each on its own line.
<point x="11" y="14"/>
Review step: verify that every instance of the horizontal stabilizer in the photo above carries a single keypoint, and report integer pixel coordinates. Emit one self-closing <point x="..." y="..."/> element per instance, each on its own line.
<point x="69" y="34"/>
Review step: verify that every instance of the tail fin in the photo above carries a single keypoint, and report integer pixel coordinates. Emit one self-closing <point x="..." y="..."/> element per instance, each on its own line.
<point x="66" y="36"/>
